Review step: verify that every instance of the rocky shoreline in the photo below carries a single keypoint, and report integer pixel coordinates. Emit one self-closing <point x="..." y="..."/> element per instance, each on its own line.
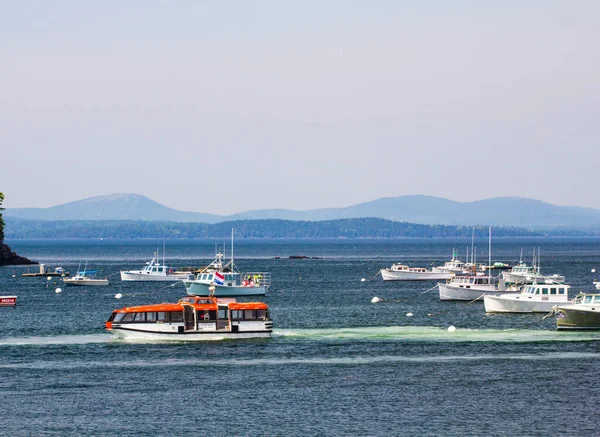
<point x="9" y="258"/>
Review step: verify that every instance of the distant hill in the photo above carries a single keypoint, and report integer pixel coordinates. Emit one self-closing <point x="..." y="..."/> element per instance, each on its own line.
<point x="500" y="211"/>
<point x="111" y="207"/>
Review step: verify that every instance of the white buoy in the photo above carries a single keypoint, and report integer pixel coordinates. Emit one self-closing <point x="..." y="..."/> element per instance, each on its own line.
<point x="409" y="314"/>
<point x="118" y="296"/>
<point x="375" y="300"/>
<point x="451" y="328"/>
<point x="14" y="276"/>
<point x="58" y="290"/>
<point x="49" y="278"/>
<point x="362" y="279"/>
<point x="593" y="271"/>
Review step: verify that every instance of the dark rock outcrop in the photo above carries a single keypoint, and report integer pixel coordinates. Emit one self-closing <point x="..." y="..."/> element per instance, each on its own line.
<point x="9" y="258"/>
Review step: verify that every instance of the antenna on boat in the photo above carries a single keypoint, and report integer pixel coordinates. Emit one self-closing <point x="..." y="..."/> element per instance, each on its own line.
<point x="232" y="250"/>
<point x="164" y="252"/>
<point x="472" y="241"/>
<point x="490" y="254"/>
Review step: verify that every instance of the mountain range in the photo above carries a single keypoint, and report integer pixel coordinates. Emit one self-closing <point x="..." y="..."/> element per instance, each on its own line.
<point x="500" y="211"/>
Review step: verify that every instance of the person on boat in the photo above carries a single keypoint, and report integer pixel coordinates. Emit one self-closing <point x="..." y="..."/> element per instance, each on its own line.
<point x="251" y="282"/>
<point x="245" y="282"/>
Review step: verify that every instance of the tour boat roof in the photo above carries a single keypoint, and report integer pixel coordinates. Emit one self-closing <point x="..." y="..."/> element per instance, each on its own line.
<point x="198" y="302"/>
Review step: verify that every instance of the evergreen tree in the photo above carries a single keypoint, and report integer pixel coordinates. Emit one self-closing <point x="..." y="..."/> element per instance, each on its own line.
<point x="1" y="218"/>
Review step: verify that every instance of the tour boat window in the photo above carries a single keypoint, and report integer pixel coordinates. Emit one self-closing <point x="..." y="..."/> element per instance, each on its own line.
<point x="151" y="317"/>
<point x="561" y="291"/>
<point x="139" y="317"/>
<point x="209" y="277"/>
<point x="176" y="316"/>
<point x="553" y="291"/>
<point x="260" y="314"/>
<point x="250" y="314"/>
<point x="537" y="291"/>
<point x="544" y="291"/>
<point x="223" y="313"/>
<point x="128" y="317"/>
<point x="119" y="317"/>
<point x="587" y="299"/>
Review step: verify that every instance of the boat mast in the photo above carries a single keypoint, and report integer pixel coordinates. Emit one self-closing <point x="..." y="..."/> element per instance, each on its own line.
<point x="232" y="249"/>
<point x="472" y="241"/>
<point x="163" y="253"/>
<point x="490" y="254"/>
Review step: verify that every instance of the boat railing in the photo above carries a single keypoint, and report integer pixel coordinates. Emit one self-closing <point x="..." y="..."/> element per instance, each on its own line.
<point x="260" y="279"/>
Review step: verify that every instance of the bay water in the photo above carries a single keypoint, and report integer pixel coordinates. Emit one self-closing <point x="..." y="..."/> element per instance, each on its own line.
<point x="337" y="364"/>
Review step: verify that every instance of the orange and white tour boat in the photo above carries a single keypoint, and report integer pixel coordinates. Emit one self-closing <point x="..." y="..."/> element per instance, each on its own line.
<point x="193" y="318"/>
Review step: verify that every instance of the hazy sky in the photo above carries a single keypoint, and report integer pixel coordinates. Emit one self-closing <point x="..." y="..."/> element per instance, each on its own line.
<point x="226" y="106"/>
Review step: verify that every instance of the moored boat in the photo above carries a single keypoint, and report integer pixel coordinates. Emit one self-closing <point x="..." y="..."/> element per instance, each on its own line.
<point x="401" y="272"/>
<point x="227" y="281"/>
<point x="8" y="301"/>
<point x="474" y="287"/>
<point x="85" y="277"/>
<point x="525" y="274"/>
<point x="154" y="271"/>
<point x="534" y="298"/>
<point x="454" y="266"/>
<point x="193" y="318"/>
<point x="582" y="314"/>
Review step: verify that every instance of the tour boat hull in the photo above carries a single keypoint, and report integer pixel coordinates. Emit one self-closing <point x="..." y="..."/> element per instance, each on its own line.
<point x="198" y="288"/>
<point x="133" y="334"/>
<point x="510" y="303"/>
<point x="8" y="301"/>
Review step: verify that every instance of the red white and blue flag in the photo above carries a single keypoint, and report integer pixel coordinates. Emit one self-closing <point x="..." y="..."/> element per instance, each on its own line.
<point x="219" y="278"/>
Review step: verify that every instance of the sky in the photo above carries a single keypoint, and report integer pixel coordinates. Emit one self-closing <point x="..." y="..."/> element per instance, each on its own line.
<point x="228" y="106"/>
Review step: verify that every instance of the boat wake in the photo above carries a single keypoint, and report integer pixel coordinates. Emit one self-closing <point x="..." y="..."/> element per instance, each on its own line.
<point x="435" y="334"/>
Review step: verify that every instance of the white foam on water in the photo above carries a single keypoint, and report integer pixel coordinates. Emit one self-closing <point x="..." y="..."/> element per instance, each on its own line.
<point x="437" y="334"/>
<point x="56" y="340"/>
<point x="353" y="360"/>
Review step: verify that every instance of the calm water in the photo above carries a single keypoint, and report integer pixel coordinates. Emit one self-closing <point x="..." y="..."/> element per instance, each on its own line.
<point x="336" y="365"/>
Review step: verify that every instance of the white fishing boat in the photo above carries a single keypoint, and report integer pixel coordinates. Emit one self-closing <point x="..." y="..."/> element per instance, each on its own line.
<point x="534" y="298"/>
<point x="582" y="313"/>
<point x="155" y="271"/>
<point x="454" y="266"/>
<point x="85" y="277"/>
<point x="401" y="272"/>
<point x="474" y="287"/>
<point x="193" y="318"/>
<point x="227" y="280"/>
<point x="525" y="274"/>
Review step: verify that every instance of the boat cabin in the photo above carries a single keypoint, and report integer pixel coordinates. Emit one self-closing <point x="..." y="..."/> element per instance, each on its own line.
<point x="523" y="269"/>
<point x="546" y="290"/>
<point x="469" y="281"/>
<point x="587" y="299"/>
<point x="404" y="268"/>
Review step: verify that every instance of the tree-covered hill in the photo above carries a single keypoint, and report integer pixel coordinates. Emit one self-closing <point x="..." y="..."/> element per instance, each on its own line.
<point x="249" y="229"/>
